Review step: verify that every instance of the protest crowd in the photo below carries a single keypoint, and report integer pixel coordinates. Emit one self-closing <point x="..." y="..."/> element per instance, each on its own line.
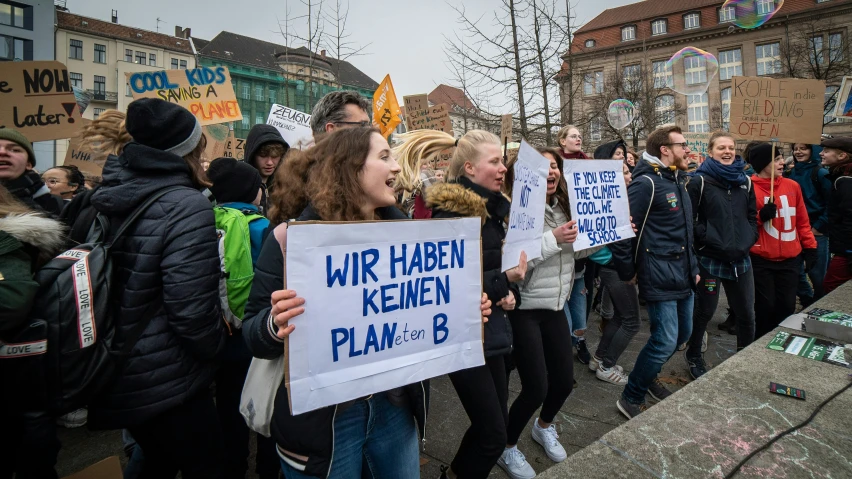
<point x="194" y="276"/>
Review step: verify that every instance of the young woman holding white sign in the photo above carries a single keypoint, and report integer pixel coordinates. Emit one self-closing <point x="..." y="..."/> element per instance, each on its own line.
<point x="475" y="178"/>
<point x="347" y="176"/>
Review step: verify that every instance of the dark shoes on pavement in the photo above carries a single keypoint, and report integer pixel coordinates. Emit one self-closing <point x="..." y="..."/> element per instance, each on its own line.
<point x="697" y="366"/>
<point x="583" y="353"/>
<point x="658" y="391"/>
<point x="629" y="409"/>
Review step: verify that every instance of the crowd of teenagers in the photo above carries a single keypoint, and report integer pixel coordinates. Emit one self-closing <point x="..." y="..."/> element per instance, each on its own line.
<point x="743" y="219"/>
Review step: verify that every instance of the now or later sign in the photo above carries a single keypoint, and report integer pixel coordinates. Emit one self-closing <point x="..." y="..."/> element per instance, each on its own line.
<point x="386" y="304"/>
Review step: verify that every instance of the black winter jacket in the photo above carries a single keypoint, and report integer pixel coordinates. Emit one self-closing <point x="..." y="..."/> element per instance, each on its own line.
<point x="169" y="255"/>
<point x="466" y="199"/>
<point x="724" y="219"/>
<point x="309" y="434"/>
<point x="661" y="254"/>
<point x="840" y="211"/>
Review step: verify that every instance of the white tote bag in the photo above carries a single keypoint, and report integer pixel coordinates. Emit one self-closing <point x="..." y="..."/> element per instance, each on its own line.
<point x="264" y="375"/>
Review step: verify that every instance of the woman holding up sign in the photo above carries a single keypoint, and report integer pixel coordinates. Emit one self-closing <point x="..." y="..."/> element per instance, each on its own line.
<point x="347" y="176"/>
<point x="476" y="175"/>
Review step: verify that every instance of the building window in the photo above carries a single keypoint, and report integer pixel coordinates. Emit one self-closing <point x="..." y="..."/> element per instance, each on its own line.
<point x="271" y="96"/>
<point x="245" y="123"/>
<point x="815" y="55"/>
<point x="691" y="20"/>
<point x="830" y="103"/>
<point x="300" y="85"/>
<point x="141" y="58"/>
<point x="628" y="33"/>
<point x="726" y="109"/>
<point x="100" y="53"/>
<point x="592" y="83"/>
<point x="100" y="88"/>
<point x="15" y="49"/>
<point x="658" y="27"/>
<point x="632" y="72"/>
<point x="16" y="16"/>
<point x="75" y="49"/>
<point x="595" y="130"/>
<point x="152" y="59"/>
<point x="695" y="68"/>
<point x="246" y="92"/>
<point x="174" y="63"/>
<point x="127" y="91"/>
<point x="258" y="120"/>
<point x="765" y="7"/>
<point x="97" y="113"/>
<point x="258" y="93"/>
<point x="835" y="47"/>
<point x="590" y="43"/>
<point x="697" y="113"/>
<point x="128" y="55"/>
<point x="730" y="64"/>
<point x="727" y="14"/>
<point x="768" y="59"/>
<point x="664" y="105"/>
<point x="76" y="80"/>
<point x="183" y="64"/>
<point x="662" y="74"/>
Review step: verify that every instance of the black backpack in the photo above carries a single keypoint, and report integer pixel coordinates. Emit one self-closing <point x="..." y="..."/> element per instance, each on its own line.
<point x="68" y="351"/>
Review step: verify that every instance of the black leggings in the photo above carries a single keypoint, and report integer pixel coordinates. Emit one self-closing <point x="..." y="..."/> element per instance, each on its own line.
<point x="543" y="356"/>
<point x="484" y="394"/>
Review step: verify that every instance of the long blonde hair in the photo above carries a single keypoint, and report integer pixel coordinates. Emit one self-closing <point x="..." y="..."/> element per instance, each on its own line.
<point x="420" y="145"/>
<point x="9" y="204"/>
<point x="107" y="134"/>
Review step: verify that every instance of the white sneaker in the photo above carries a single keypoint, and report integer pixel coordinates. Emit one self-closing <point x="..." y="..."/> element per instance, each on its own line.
<point x="515" y="464"/>
<point x="73" y="419"/>
<point x="614" y="375"/>
<point x="549" y="440"/>
<point x="594" y="363"/>
<point x="704" y="343"/>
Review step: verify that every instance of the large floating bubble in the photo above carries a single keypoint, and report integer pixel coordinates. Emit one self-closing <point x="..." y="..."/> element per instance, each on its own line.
<point x="620" y="113"/>
<point x="750" y="13"/>
<point x="693" y="69"/>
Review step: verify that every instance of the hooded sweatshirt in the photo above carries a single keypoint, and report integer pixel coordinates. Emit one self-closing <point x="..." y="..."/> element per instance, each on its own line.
<point x="607" y="150"/>
<point x="257" y="137"/>
<point x="813" y="180"/>
<point x="789" y="232"/>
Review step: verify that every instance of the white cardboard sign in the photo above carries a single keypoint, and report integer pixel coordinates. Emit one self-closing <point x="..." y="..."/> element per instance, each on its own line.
<point x="294" y="126"/>
<point x="386" y="304"/>
<point x="529" y="196"/>
<point x="599" y="202"/>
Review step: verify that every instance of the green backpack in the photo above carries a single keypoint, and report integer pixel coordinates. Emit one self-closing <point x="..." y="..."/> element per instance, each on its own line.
<point x="232" y="230"/>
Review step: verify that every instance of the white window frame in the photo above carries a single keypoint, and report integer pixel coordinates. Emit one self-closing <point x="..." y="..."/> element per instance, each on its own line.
<point x="659" y="26"/>
<point x="697" y="113"/>
<point x="725" y="96"/>
<point x="590" y="43"/>
<point x="664" y="105"/>
<point x="816" y="44"/>
<point x="835" y="48"/>
<point x="730" y="63"/>
<point x="259" y="119"/>
<point x="258" y="93"/>
<point x="764" y="7"/>
<point x="593" y="83"/>
<point x="595" y="130"/>
<point x="727" y="14"/>
<point x="691" y="21"/>
<point x="768" y="57"/>
<point x="662" y="74"/>
<point x="628" y="33"/>
<point x="695" y="70"/>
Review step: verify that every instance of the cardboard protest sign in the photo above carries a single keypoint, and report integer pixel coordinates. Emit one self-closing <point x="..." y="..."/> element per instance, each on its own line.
<point x="697" y="143"/>
<point x="206" y="92"/>
<point x="86" y="159"/>
<point x="386" y="304"/>
<point x="36" y="99"/>
<point x="843" y="100"/>
<point x="217" y="140"/>
<point x="526" y="217"/>
<point x="442" y="161"/>
<point x="434" y="118"/>
<point x="386" y="107"/>
<point x="505" y="128"/>
<point x="414" y="103"/>
<point x="235" y="148"/>
<point x="598" y="199"/>
<point x="294" y="125"/>
<point x="780" y="109"/>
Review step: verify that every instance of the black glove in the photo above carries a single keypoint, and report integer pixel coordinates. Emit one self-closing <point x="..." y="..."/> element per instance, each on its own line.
<point x="810" y="256"/>
<point x="769" y="211"/>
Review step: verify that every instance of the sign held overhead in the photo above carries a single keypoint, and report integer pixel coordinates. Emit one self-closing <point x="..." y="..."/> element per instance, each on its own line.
<point x="37" y="100"/>
<point x="777" y="109"/>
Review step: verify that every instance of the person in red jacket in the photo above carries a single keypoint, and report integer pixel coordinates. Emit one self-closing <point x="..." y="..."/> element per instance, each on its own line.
<point x="784" y="240"/>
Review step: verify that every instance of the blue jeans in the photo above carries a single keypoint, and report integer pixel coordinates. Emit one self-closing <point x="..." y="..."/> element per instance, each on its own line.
<point x="817" y="274"/>
<point x="671" y="324"/>
<point x="375" y="436"/>
<point x="575" y="308"/>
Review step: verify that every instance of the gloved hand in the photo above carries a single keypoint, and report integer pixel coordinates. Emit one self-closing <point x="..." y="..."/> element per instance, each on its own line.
<point x="810" y="257"/>
<point x="769" y="211"/>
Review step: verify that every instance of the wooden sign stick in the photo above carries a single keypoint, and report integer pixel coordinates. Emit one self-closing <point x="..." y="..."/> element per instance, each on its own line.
<point x="772" y="173"/>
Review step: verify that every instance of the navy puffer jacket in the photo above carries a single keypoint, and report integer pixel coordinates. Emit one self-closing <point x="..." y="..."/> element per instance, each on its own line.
<point x="170" y="256"/>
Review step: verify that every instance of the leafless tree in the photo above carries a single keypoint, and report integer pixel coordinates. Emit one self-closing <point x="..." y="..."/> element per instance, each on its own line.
<point x="819" y="49"/>
<point x="338" y="40"/>
<point x="314" y="19"/>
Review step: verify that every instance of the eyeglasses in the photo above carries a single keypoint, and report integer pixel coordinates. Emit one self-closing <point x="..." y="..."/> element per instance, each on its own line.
<point x="356" y="123"/>
<point x="682" y="145"/>
<point x="53" y="181"/>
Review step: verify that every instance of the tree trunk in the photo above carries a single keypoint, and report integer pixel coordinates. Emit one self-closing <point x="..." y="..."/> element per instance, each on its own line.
<point x="518" y="82"/>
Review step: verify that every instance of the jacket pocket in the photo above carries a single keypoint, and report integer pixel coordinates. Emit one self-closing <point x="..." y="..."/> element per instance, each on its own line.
<point x="666" y="269"/>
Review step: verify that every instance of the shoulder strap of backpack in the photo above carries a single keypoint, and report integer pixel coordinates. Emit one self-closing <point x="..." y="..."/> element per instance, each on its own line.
<point x="645" y="221"/>
<point x="141" y="209"/>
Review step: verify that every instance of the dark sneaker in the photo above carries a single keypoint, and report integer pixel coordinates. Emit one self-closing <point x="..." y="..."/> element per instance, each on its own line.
<point x="583" y="353"/>
<point x="630" y="410"/>
<point x="697" y="367"/>
<point x="658" y="390"/>
<point x="729" y="322"/>
<point x="444" y="472"/>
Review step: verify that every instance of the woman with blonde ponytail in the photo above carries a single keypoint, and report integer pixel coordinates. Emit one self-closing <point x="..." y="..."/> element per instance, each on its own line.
<point x="416" y="149"/>
<point x="474" y="180"/>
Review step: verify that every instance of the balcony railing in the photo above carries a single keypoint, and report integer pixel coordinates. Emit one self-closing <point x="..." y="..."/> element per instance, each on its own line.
<point x="107" y="96"/>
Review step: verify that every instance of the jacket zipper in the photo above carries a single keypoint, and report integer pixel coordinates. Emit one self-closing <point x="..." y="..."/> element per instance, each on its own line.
<point x="560" y="280"/>
<point x="423" y="441"/>
<point x="331" y="460"/>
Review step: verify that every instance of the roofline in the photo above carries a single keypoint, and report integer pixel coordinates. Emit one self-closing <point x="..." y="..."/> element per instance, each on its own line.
<point x="130" y="40"/>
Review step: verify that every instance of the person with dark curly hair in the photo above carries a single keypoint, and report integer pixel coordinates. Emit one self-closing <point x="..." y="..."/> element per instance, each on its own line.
<point x="64" y="181"/>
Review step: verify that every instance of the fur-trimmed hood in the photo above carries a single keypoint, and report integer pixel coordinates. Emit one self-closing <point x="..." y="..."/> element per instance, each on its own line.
<point x="455" y="198"/>
<point x="46" y="234"/>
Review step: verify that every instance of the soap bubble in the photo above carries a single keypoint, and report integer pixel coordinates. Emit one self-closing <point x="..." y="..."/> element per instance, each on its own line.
<point x="620" y="113"/>
<point x="693" y="69"/>
<point x="751" y="13"/>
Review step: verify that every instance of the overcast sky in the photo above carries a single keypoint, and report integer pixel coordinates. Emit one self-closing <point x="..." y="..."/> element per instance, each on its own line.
<point x="407" y="35"/>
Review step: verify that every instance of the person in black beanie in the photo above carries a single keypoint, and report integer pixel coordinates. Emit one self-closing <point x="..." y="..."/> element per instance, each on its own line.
<point x="18" y="175"/>
<point x="237" y="187"/>
<point x="167" y="273"/>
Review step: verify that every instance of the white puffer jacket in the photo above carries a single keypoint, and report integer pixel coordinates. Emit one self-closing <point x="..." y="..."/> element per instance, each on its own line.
<point x="548" y="281"/>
